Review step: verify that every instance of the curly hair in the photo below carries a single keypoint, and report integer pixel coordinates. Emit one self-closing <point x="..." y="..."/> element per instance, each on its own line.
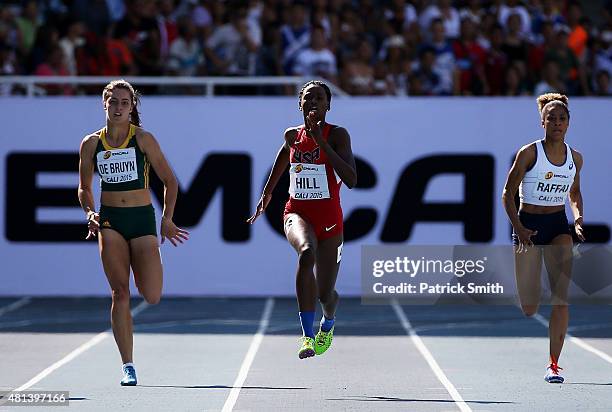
<point x="552" y="99"/>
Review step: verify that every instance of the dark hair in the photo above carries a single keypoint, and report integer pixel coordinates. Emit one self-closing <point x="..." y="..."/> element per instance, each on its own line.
<point x="315" y="83"/>
<point x="122" y="84"/>
<point x="554" y="99"/>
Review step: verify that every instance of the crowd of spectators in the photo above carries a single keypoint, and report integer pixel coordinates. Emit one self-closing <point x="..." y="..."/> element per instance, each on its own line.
<point x="366" y="47"/>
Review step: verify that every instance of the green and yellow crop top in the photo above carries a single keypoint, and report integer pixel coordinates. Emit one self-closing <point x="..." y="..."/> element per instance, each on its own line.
<point x="121" y="168"/>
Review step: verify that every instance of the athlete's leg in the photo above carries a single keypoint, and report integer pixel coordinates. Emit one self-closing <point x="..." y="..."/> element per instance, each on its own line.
<point x="558" y="260"/>
<point x="115" y="255"/>
<point x="302" y="238"/>
<point x="528" y="267"/>
<point x="327" y="265"/>
<point x="147" y="267"/>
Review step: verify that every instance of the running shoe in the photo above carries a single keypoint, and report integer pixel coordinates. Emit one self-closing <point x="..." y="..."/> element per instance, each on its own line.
<point x="552" y="374"/>
<point x="307" y="349"/>
<point x="129" y="376"/>
<point x="323" y="340"/>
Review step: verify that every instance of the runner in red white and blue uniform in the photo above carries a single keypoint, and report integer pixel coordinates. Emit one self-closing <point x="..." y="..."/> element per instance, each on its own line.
<point x="320" y="159"/>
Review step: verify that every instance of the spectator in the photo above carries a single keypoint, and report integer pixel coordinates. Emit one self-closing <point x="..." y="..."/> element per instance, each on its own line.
<point x="515" y="47"/>
<point x="317" y="60"/>
<point x="399" y="17"/>
<point x="537" y="50"/>
<point x="95" y="15"/>
<point x="47" y="37"/>
<point x="510" y="8"/>
<point x="570" y="72"/>
<point x="446" y="13"/>
<point x="320" y="17"/>
<point x="105" y="56"/>
<point x="394" y="55"/>
<point x="54" y="65"/>
<point x="602" y="84"/>
<point x="470" y="58"/>
<point x="445" y="65"/>
<point x="578" y="36"/>
<point x="232" y="47"/>
<point x="358" y="74"/>
<point x="425" y="81"/>
<point x="202" y="18"/>
<point x="295" y="36"/>
<point x="383" y="81"/>
<point x="496" y="62"/>
<point x="603" y="55"/>
<point x="166" y="25"/>
<point x="351" y="34"/>
<point x="473" y="11"/>
<point x="513" y="83"/>
<point x="547" y="13"/>
<point x="551" y="80"/>
<point x="70" y="42"/>
<point x="9" y="32"/>
<point x="186" y="56"/>
<point x="139" y="30"/>
<point x="8" y="67"/>
<point x="28" y="25"/>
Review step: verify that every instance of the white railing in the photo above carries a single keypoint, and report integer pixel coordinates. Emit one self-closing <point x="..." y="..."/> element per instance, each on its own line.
<point x="32" y="84"/>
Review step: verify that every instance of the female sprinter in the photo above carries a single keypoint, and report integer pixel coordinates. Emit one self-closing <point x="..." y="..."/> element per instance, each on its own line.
<point x="320" y="158"/>
<point x="545" y="172"/>
<point x="121" y="152"/>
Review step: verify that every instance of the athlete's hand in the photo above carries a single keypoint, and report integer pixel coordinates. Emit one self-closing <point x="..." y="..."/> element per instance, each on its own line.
<point x="93" y="224"/>
<point x="173" y="233"/>
<point x="261" y="207"/>
<point x="314" y="127"/>
<point x="524" y="236"/>
<point x="578" y="228"/>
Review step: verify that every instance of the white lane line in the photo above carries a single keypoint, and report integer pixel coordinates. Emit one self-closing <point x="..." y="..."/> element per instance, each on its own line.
<point x="15" y="305"/>
<point x="418" y="342"/>
<point x="576" y="340"/>
<point x="250" y="357"/>
<point x="83" y="348"/>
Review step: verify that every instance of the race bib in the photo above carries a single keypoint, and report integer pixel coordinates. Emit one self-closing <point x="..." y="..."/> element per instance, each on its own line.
<point x="308" y="181"/>
<point x="551" y="187"/>
<point x="118" y="165"/>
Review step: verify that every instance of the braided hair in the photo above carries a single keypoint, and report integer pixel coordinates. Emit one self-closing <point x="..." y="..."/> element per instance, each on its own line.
<point x="315" y="83"/>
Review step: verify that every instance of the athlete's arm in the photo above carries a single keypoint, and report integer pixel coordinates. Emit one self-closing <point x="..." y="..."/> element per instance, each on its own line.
<point x="280" y="164"/>
<point x="524" y="159"/>
<point x="85" y="193"/>
<point x="575" y="197"/>
<point x="151" y="149"/>
<point x="341" y="156"/>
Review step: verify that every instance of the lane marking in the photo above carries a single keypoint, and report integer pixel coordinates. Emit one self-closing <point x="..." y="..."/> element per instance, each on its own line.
<point x="420" y="345"/>
<point x="15" y="305"/>
<point x="542" y="320"/>
<point x="249" y="357"/>
<point x="75" y="353"/>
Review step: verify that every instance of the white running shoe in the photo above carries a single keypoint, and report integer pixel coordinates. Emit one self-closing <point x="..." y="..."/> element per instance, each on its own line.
<point x="552" y="374"/>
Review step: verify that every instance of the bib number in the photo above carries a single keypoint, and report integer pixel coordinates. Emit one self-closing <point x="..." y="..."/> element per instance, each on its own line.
<point x="117" y="166"/>
<point x="308" y="182"/>
<point x="550" y="188"/>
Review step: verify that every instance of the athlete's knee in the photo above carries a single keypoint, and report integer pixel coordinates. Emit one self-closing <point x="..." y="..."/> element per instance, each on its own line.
<point x="326" y="297"/>
<point x="560" y="308"/>
<point x="306" y="255"/>
<point x="121" y="294"/>
<point x="152" y="298"/>
<point x="529" y="310"/>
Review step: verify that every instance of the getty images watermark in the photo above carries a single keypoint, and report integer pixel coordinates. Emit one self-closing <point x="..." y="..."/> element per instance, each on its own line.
<point x="459" y="274"/>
